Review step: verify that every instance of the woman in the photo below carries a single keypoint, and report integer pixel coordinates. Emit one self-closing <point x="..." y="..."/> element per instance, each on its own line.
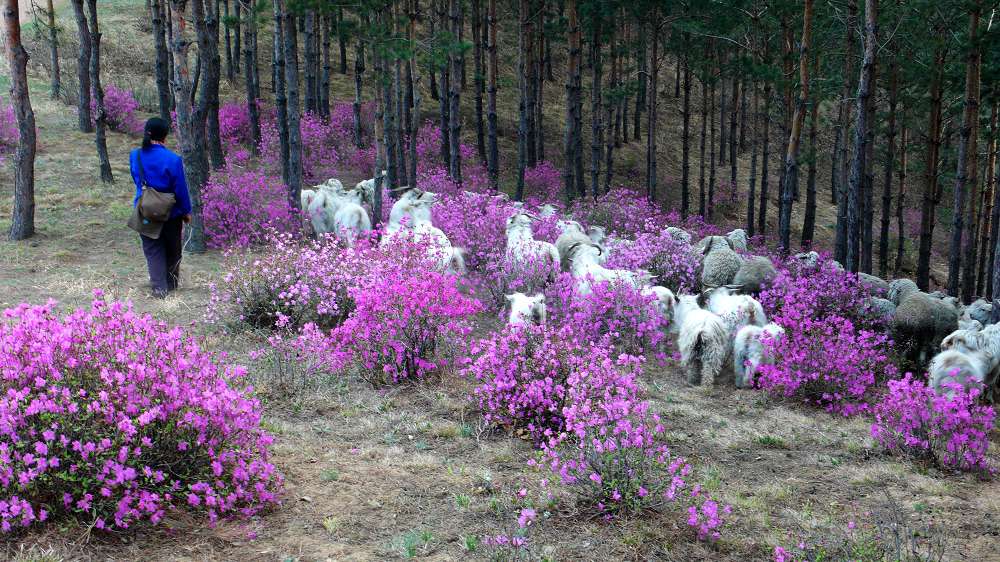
<point x="164" y="172"/>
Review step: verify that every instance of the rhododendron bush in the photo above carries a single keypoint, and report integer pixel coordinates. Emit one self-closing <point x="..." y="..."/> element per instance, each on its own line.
<point x="954" y="430"/>
<point x="672" y="263"/>
<point x="115" y="418"/>
<point x="405" y="322"/>
<point x="242" y="206"/>
<point x="120" y="109"/>
<point x="621" y="211"/>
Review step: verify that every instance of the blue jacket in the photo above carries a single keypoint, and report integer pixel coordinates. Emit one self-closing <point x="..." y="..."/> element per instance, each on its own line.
<point x="165" y="173"/>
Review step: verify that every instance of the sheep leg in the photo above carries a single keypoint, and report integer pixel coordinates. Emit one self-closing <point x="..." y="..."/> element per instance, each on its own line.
<point x="694" y="372"/>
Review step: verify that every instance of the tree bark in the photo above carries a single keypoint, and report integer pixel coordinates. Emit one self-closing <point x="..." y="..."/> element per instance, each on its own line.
<point x="930" y="197"/>
<point x="839" y="174"/>
<point x="710" y="203"/>
<point x="290" y="38"/>
<point x="86" y="118"/>
<point x="524" y="23"/>
<point x="230" y="67"/>
<point x="457" y="70"/>
<point x="890" y="157"/>
<point x="596" y="119"/>
<point x="237" y="35"/>
<point x="992" y="210"/>
<point x="50" y="14"/>
<point x="754" y="143"/>
<point x="162" y="55"/>
<point x="191" y="144"/>
<point x="280" y="93"/>
<point x="569" y="145"/>
<point x="968" y="175"/>
<point x="342" y="41"/>
<point x="901" y="196"/>
<point x="809" y="219"/>
<point x="764" y="162"/>
<point x="359" y="72"/>
<point x="97" y="90"/>
<point x="326" y="27"/>
<point x="309" y="52"/>
<point x="795" y="132"/>
<point x="651" y="117"/>
<point x="248" y="73"/>
<point x="493" y="164"/>
<point x="733" y="116"/>
<point x="640" y="96"/>
<point x="208" y="47"/>
<point x="686" y="137"/>
<point x="22" y="224"/>
<point x="852" y="260"/>
<point x="479" y="81"/>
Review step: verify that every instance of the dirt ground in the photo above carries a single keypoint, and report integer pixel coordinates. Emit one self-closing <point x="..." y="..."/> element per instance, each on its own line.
<point x="375" y="475"/>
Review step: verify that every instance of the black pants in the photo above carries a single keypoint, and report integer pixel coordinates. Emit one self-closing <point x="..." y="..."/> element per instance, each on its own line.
<point x="163" y="257"/>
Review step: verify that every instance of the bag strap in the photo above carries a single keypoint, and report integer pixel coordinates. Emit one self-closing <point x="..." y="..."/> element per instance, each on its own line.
<point x="142" y="174"/>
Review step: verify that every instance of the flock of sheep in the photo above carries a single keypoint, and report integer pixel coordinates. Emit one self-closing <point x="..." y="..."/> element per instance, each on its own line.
<point x="723" y="321"/>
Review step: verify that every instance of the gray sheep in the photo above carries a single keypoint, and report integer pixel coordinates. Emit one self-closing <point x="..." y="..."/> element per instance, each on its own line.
<point x="755" y="274"/>
<point x="980" y="311"/>
<point x="721" y="263"/>
<point x="881" y="309"/>
<point x="899" y="289"/>
<point x="921" y="322"/>
<point x="876" y="284"/>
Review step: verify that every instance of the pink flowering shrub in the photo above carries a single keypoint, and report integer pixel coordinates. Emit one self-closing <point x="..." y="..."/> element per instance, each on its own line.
<point x="543" y="184"/>
<point x="289" y="285"/>
<point x="673" y="263"/>
<point x="242" y="206"/>
<point x="115" y="418"/>
<point x="234" y="125"/>
<point x="954" y="431"/>
<point x="475" y="222"/>
<point x="405" y="322"/>
<point x="828" y="362"/>
<point x="621" y="211"/>
<point x="614" y="313"/>
<point x="828" y="290"/>
<point x="503" y="275"/>
<point x="120" y="110"/>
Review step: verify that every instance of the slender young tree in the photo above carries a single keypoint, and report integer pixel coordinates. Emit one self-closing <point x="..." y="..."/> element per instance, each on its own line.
<point x="227" y="35"/>
<point x="651" y="117"/>
<point x="454" y="95"/>
<point x="754" y="143"/>
<point x="841" y="162"/>
<point x="156" y="9"/>
<point x="290" y="38"/>
<point x="56" y="82"/>
<point x="901" y="196"/>
<point x="359" y="72"/>
<point x="765" y="161"/>
<point x="325" y="24"/>
<point x="701" y="147"/>
<point x="963" y="241"/>
<point x="97" y="90"/>
<point x="852" y="260"/>
<point x="686" y="133"/>
<point x="929" y="198"/>
<point x="890" y="157"/>
<point x="86" y="119"/>
<point x="208" y="47"/>
<point x="795" y="132"/>
<point x="480" y="79"/>
<point x="22" y="223"/>
<point x="493" y="164"/>
<point x="524" y="22"/>
<point x="992" y="227"/>
<point x="809" y="218"/>
<point x="596" y="118"/>
<point x="570" y="179"/>
<point x="280" y="89"/>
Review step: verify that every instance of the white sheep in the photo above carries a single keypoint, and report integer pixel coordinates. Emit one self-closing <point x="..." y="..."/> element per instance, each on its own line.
<point x="570" y="233"/>
<point x="735" y="310"/>
<point x="967" y="368"/>
<point x="350" y="222"/>
<point x="586" y="270"/>
<point x="522" y="248"/>
<point x="547" y="210"/>
<point x="663" y="299"/>
<point x="526" y="310"/>
<point x="750" y="352"/>
<point x="721" y="262"/>
<point x="703" y="340"/>
<point x="678" y="234"/>
<point x="367" y="187"/>
<point x="597" y="235"/>
<point x="411" y="208"/>
<point x="439" y="247"/>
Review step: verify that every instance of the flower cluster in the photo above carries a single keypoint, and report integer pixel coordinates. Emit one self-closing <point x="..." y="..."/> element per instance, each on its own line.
<point x="242" y="206"/>
<point x="405" y="322"/>
<point x="621" y="211"/>
<point x="615" y="313"/>
<point x="954" y="430"/>
<point x="672" y="262"/>
<point x="114" y="417"/>
<point x="119" y="110"/>
<point x="828" y="362"/>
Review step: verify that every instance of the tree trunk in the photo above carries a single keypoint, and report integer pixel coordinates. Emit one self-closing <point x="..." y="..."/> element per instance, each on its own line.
<point x="686" y="138"/>
<point x="530" y="108"/>
<point x="208" y="47"/>
<point x="868" y="201"/>
<point x="359" y="72"/>
<point x="764" y="161"/>
<point x="992" y="210"/>
<point x="901" y="196"/>
<point x="237" y="35"/>
<point x="230" y="67"/>
<point x="838" y="181"/>
<point x="308" y="52"/>
<point x="97" y="90"/>
<point x="710" y="203"/>
<point x="280" y="93"/>
<point x="50" y="13"/>
<point x="754" y="142"/>
<point x="733" y="116"/>
<point x="22" y="224"/>
<point x="930" y="198"/>
<point x="890" y="156"/>
<point x="971" y="137"/>
<point x="723" y="131"/>
<point x="457" y="68"/>
<point x="162" y="55"/>
<point x="702" y="147"/>
<point x="380" y="109"/>
<point x="596" y="123"/>
<point x="522" y="109"/>
<point x="794" y="134"/>
<point x="248" y="72"/>
<point x="324" y="80"/>
<point x="852" y="260"/>
<point x="479" y="81"/>
<point x="651" y="117"/>
<point x="640" y="96"/>
<point x="809" y="220"/>
<point x="493" y="164"/>
<point x="342" y="41"/>
<point x="538" y="119"/>
<point x="743" y="120"/>
<point x="191" y="144"/>
<point x="290" y="38"/>
<point x="569" y="145"/>
<point x="86" y="119"/>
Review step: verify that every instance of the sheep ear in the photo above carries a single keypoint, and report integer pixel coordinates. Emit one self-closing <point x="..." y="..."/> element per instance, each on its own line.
<point x="572" y="248"/>
<point x="702" y="298"/>
<point x="730" y="243"/>
<point x="708" y="247"/>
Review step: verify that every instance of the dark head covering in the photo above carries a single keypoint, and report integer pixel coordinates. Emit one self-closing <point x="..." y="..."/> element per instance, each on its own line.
<point x="156" y="129"/>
